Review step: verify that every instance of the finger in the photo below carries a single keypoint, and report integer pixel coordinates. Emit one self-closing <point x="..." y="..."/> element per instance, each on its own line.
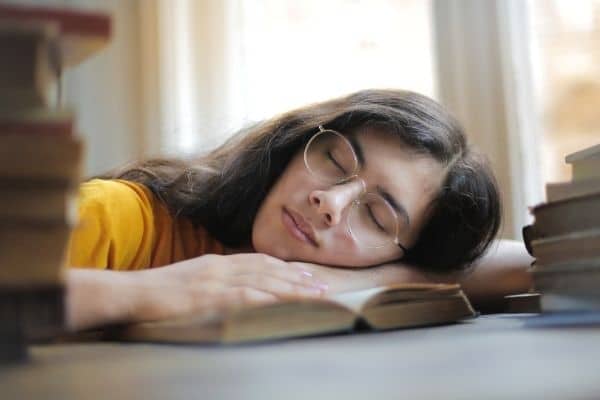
<point x="291" y="276"/>
<point x="267" y="265"/>
<point x="281" y="288"/>
<point x="221" y="266"/>
<point x="235" y="297"/>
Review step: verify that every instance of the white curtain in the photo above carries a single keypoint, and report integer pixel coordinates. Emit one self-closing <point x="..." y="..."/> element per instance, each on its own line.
<point x="482" y="56"/>
<point x="172" y="80"/>
<point x="190" y="80"/>
<point x="227" y="63"/>
<point x="484" y="78"/>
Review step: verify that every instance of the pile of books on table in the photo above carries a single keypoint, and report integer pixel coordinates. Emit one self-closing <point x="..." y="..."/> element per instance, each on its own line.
<point x="40" y="164"/>
<point x="565" y="238"/>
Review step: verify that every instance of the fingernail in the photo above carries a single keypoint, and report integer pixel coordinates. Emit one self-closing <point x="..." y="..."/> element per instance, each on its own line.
<point x="323" y="286"/>
<point x="314" y="290"/>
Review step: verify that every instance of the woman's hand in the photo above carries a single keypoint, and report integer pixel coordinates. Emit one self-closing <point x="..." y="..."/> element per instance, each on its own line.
<point x="342" y="279"/>
<point x="201" y="285"/>
<point x="212" y="283"/>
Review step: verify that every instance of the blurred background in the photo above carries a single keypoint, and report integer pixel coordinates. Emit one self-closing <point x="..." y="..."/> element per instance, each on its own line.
<point x="180" y="76"/>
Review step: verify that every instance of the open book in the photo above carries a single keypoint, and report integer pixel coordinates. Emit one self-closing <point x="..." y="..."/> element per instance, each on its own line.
<point x="398" y="306"/>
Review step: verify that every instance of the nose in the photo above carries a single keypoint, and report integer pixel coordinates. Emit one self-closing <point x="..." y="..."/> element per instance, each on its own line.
<point x="332" y="202"/>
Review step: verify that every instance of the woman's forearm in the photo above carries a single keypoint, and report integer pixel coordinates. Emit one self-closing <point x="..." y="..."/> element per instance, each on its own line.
<point x="202" y="286"/>
<point x="98" y="297"/>
<point x="502" y="271"/>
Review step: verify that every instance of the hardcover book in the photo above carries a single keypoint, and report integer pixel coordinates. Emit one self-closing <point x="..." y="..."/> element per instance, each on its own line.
<point x="381" y="308"/>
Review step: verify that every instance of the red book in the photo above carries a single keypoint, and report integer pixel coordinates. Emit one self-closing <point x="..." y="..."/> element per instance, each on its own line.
<point x="51" y="128"/>
<point x="40" y="157"/>
<point x="30" y="67"/>
<point x="37" y="122"/>
<point x="81" y="33"/>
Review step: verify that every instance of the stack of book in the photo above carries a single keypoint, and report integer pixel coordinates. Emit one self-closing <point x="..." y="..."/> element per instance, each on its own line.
<point x="40" y="162"/>
<point x="565" y="238"/>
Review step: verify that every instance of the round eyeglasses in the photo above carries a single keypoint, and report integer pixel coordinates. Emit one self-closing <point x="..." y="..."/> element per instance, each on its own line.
<point x="372" y="221"/>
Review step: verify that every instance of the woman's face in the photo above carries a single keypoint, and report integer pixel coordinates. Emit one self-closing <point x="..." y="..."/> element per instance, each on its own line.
<point x="303" y="219"/>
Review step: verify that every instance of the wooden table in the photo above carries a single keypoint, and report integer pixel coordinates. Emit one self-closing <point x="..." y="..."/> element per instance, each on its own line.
<point x="503" y="356"/>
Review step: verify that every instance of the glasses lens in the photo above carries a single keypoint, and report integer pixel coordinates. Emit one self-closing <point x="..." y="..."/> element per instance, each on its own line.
<point x="330" y="157"/>
<point x="373" y="221"/>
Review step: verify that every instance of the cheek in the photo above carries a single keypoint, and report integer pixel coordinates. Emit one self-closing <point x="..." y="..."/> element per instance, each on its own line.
<point x="267" y="230"/>
<point x="262" y="227"/>
<point x="344" y="252"/>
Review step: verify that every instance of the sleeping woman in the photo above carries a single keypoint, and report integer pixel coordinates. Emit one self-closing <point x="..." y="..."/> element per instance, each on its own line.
<point x="373" y="188"/>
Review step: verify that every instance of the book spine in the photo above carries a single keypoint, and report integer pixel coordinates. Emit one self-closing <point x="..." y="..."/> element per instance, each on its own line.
<point x="58" y="159"/>
<point x="13" y="345"/>
<point x="560" y="302"/>
<point x="69" y="21"/>
<point x="567" y="216"/>
<point x="28" y="127"/>
<point x="40" y="165"/>
<point x="570" y="190"/>
<point x="28" y="72"/>
<point x="35" y="313"/>
<point x="586" y="169"/>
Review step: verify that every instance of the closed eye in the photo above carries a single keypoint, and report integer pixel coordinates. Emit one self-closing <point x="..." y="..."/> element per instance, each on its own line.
<point x="333" y="160"/>
<point x="370" y="210"/>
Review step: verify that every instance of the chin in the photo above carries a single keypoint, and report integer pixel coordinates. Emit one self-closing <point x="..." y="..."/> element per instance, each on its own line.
<point x="267" y="247"/>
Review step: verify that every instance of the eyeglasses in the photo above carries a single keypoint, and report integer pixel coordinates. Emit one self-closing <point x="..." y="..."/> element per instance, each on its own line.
<point x="372" y="221"/>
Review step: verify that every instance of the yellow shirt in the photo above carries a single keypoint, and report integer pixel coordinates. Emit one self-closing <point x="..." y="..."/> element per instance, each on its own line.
<point x="123" y="226"/>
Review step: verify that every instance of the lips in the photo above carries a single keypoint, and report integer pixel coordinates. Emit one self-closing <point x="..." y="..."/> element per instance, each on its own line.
<point x="299" y="227"/>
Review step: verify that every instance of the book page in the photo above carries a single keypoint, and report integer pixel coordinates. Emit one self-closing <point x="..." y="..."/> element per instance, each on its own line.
<point x="357" y="300"/>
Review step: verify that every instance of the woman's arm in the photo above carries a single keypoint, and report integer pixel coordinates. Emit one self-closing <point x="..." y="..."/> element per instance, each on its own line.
<point x="204" y="284"/>
<point x="210" y="283"/>
<point x="502" y="271"/>
<point x="97" y="297"/>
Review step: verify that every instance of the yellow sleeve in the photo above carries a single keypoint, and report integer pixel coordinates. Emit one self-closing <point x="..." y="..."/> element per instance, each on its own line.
<point x="116" y="226"/>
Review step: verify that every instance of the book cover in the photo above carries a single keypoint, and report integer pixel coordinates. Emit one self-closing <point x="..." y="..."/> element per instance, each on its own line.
<point x="585" y="170"/>
<point x="569" y="190"/>
<point x="32" y="254"/>
<point x="37" y="121"/>
<point x="566" y="216"/>
<point x="81" y="33"/>
<point x="573" y="246"/>
<point x="382" y="308"/>
<point x="585" y="163"/>
<point x="36" y="313"/>
<point x="571" y="286"/>
<point x="522" y="303"/>
<point x="589" y="153"/>
<point x="41" y="157"/>
<point x="29" y="74"/>
<point x="31" y="202"/>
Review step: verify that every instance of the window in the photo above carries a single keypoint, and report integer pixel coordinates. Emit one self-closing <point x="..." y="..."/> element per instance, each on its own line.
<point x="297" y="52"/>
<point x="566" y="68"/>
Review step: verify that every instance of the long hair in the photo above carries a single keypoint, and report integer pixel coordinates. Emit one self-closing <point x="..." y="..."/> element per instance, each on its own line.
<point x="223" y="190"/>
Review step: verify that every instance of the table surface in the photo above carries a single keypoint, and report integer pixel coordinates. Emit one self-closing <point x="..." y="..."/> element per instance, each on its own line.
<point x="500" y="356"/>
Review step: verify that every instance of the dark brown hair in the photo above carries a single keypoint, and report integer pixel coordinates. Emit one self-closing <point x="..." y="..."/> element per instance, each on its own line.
<point x="223" y="190"/>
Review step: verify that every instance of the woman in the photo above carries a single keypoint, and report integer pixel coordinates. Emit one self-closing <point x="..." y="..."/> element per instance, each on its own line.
<point x="372" y="179"/>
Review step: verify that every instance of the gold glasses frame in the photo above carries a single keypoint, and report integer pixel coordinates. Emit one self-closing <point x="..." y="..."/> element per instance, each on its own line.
<point x="351" y="176"/>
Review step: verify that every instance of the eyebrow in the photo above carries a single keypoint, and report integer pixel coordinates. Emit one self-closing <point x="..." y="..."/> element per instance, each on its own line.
<point x="360" y="154"/>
